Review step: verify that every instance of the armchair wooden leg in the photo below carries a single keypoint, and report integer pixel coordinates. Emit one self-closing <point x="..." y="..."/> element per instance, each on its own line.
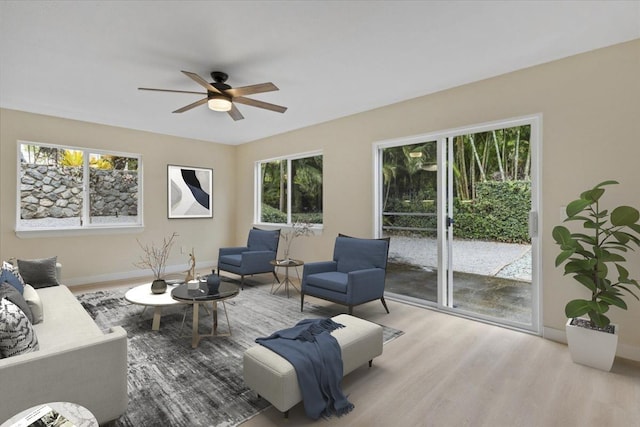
<point x="276" y="276"/>
<point x="350" y="309"/>
<point x="301" y="301"/>
<point x="242" y="281"/>
<point x="384" y="303"/>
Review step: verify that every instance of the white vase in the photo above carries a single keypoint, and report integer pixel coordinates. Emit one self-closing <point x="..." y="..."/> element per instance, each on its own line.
<point x="592" y="348"/>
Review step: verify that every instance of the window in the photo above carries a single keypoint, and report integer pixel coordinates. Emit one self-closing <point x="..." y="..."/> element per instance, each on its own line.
<point x="289" y="190"/>
<point x="62" y="188"/>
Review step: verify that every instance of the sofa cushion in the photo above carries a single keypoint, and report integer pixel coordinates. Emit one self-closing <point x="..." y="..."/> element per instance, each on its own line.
<point x="9" y="273"/>
<point x="9" y="292"/>
<point x="66" y="321"/>
<point x="39" y="273"/>
<point x="16" y="333"/>
<point x="35" y="304"/>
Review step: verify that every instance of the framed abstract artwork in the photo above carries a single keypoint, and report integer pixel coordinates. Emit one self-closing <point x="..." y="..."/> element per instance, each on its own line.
<point x="190" y="192"/>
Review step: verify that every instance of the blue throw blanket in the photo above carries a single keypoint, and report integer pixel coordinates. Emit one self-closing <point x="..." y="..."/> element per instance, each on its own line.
<point x="317" y="359"/>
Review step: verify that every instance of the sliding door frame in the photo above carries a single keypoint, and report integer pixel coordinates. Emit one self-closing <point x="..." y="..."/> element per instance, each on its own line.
<point x="444" y="157"/>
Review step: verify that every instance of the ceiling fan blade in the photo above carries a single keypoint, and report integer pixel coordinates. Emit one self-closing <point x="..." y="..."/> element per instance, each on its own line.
<point x="171" y="90"/>
<point x="201" y="81"/>
<point x="193" y="105"/>
<point x="250" y="90"/>
<point x="235" y="113"/>
<point x="260" y="104"/>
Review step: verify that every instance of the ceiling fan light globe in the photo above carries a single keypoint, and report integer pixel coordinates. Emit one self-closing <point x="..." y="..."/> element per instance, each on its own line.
<point x="219" y="103"/>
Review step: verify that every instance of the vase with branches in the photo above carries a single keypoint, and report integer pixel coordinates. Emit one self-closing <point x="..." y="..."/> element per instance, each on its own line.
<point x="297" y="229"/>
<point x="154" y="257"/>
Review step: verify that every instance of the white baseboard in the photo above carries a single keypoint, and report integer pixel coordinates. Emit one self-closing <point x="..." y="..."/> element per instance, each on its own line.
<point x="134" y="274"/>
<point x="625" y="351"/>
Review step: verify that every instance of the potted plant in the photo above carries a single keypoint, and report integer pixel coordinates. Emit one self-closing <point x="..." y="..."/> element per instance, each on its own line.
<point x="155" y="258"/>
<point x="593" y="256"/>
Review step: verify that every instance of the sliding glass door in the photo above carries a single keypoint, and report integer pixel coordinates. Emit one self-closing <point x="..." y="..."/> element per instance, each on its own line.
<point x="460" y="208"/>
<point x="409" y="214"/>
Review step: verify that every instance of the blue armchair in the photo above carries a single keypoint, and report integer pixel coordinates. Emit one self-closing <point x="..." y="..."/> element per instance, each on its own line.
<point x="255" y="258"/>
<point x="355" y="276"/>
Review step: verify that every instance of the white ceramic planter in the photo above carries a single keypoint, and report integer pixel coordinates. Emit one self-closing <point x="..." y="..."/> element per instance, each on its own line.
<point x="592" y="348"/>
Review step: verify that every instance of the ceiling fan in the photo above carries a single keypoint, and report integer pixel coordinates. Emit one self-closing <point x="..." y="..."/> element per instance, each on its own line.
<point x="222" y="97"/>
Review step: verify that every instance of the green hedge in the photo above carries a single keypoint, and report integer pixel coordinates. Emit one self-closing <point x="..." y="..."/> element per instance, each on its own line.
<point x="273" y="215"/>
<point x="499" y="213"/>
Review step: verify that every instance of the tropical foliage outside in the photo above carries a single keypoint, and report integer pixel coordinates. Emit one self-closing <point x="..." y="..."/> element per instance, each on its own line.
<point x="53" y="156"/>
<point x="492" y="186"/>
<point x="306" y="190"/>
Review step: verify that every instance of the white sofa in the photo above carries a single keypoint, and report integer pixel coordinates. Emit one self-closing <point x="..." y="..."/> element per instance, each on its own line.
<point x="77" y="362"/>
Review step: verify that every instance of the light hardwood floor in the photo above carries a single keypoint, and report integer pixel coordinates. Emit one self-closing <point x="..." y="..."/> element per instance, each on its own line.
<point x="449" y="371"/>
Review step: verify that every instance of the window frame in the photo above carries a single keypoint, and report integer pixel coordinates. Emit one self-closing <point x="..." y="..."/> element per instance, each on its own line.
<point x="86" y="226"/>
<point x="258" y="188"/>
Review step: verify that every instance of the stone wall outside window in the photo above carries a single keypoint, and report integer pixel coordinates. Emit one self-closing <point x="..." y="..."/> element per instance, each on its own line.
<point x="56" y="192"/>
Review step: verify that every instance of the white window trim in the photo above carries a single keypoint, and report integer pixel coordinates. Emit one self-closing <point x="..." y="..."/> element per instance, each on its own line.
<point x="87" y="228"/>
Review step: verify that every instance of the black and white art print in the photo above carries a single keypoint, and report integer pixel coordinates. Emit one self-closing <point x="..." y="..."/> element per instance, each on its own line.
<point x="190" y="192"/>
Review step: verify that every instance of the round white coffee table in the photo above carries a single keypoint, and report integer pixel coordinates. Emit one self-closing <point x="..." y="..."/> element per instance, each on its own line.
<point x="77" y="414"/>
<point x="142" y="295"/>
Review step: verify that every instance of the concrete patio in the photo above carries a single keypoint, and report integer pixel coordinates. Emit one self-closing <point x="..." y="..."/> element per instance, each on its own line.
<point x="490" y="278"/>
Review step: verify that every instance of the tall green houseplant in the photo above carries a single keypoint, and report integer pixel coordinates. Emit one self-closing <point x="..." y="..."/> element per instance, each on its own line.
<point x="594" y="256"/>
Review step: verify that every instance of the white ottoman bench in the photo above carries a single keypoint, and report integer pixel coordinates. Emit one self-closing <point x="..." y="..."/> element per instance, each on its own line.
<point x="274" y="378"/>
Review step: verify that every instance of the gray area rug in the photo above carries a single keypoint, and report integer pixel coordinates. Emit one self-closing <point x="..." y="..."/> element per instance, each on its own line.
<point x="170" y="383"/>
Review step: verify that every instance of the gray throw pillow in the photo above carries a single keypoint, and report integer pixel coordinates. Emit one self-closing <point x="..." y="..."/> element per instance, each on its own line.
<point x="9" y="292"/>
<point x="39" y="273"/>
<point x="16" y="332"/>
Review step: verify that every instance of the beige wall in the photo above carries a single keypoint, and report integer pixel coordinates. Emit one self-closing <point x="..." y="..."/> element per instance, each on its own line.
<point x="98" y="257"/>
<point x="590" y="106"/>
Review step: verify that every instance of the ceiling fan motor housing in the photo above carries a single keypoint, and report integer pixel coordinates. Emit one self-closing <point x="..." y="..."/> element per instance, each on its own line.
<point x="219" y="76"/>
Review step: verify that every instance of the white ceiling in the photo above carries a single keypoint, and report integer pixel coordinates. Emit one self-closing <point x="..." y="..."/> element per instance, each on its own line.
<point x="85" y="60"/>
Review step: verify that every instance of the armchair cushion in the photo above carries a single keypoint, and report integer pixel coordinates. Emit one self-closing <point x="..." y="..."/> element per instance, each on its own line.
<point x="319" y="267"/>
<point x="232" y="259"/>
<point x="263" y="240"/>
<point x="359" y="254"/>
<point x="235" y="250"/>
<point x="332" y="280"/>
